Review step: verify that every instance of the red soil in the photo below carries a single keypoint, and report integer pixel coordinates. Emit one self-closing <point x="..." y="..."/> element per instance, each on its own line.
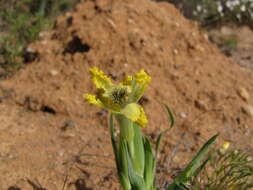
<point x="49" y="132"/>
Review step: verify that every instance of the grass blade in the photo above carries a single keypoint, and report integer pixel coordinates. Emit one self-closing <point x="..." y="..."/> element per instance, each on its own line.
<point x="193" y="167"/>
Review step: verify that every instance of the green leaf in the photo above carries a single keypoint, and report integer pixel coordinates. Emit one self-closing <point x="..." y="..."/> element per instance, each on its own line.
<point x="171" y="121"/>
<point x="149" y="174"/>
<point x="193" y="167"/>
<point x="169" y="115"/>
<point x="175" y="186"/>
<point x="123" y="165"/>
<point x="136" y="181"/>
<point x="199" y="169"/>
<point x="139" y="156"/>
<point x="194" y="164"/>
<point x="158" y="141"/>
<point x="124" y="181"/>
<point x="113" y="140"/>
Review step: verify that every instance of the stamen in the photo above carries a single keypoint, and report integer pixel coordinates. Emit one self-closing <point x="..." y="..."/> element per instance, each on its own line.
<point x="119" y="95"/>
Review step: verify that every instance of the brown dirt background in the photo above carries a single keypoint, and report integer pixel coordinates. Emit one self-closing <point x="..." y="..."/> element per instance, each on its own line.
<point x="51" y="137"/>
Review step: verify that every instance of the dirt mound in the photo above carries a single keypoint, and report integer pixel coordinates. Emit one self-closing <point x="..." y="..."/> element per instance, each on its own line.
<point x="56" y="134"/>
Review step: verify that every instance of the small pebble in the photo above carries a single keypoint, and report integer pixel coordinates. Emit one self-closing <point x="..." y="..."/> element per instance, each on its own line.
<point x="61" y="153"/>
<point x="200" y="105"/>
<point x="177" y="24"/>
<point x="175" y="51"/>
<point x="30" y="50"/>
<point x="41" y="34"/>
<point x="44" y="42"/>
<point x="68" y="124"/>
<point x="183" y="115"/>
<point x="243" y="93"/>
<point x="206" y="37"/>
<point x="54" y="72"/>
<point x="247" y="109"/>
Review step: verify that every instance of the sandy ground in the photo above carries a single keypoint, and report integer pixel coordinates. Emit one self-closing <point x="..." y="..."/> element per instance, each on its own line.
<point x="52" y="139"/>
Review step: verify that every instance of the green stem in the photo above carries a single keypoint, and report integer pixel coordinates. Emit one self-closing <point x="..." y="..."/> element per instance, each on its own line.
<point x="126" y="132"/>
<point x="126" y="128"/>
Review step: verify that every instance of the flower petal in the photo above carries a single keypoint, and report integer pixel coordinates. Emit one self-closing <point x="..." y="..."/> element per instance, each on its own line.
<point x="127" y="81"/>
<point x="141" y="81"/>
<point x="142" y="77"/>
<point x="100" y="79"/>
<point x="142" y="120"/>
<point x="92" y="99"/>
<point x="131" y="111"/>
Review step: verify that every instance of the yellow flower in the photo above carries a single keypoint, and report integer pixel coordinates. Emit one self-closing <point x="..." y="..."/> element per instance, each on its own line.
<point x="102" y="103"/>
<point x="139" y="83"/>
<point x="226" y="145"/>
<point x="93" y="100"/>
<point x="122" y="98"/>
<point x="127" y="81"/>
<point x="142" y="77"/>
<point x="100" y="79"/>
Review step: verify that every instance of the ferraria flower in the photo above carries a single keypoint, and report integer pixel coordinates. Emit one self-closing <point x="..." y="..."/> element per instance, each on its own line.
<point x="121" y="98"/>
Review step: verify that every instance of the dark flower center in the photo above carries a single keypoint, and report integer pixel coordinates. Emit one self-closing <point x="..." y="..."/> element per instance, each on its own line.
<point x="119" y="95"/>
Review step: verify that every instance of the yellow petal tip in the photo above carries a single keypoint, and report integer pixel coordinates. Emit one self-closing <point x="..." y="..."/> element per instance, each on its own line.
<point x="100" y="79"/>
<point x="142" y="77"/>
<point x="142" y="120"/>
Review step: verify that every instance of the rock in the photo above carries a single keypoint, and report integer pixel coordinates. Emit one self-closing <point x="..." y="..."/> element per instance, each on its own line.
<point x="68" y="124"/>
<point x="248" y="109"/>
<point x="243" y="93"/>
<point x="177" y="24"/>
<point x="175" y="51"/>
<point x="200" y="48"/>
<point x="61" y="153"/>
<point x="113" y="25"/>
<point x="206" y="37"/>
<point x="54" y="72"/>
<point x="200" y="105"/>
<point x="30" y="50"/>
<point x="183" y="115"/>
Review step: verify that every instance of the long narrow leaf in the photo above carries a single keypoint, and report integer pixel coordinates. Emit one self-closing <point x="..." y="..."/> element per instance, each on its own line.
<point x="193" y="167"/>
<point x="149" y="164"/>
<point x="136" y="181"/>
<point x="199" y="169"/>
<point x="171" y="121"/>
<point x="138" y="157"/>
<point x="113" y="140"/>
<point x="170" y="116"/>
<point x="196" y="162"/>
<point x="123" y="165"/>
